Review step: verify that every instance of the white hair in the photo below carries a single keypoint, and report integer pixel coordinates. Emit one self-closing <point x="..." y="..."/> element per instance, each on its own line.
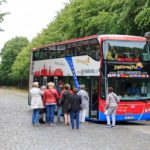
<point x="51" y="84"/>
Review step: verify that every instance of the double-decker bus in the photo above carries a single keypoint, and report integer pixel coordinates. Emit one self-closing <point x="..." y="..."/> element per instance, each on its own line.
<point x="99" y="61"/>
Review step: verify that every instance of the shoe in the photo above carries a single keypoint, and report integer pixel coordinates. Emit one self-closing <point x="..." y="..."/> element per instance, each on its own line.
<point x="113" y="125"/>
<point x="52" y="124"/>
<point x="108" y="126"/>
<point x="41" y="121"/>
<point x="48" y="124"/>
<point x="36" y="124"/>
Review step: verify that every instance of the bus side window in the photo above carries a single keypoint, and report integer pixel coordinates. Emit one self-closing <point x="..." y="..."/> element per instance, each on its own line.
<point x="79" y="51"/>
<point x="88" y="50"/>
<point x="35" y="55"/>
<point x="67" y="53"/>
<point x="95" y="52"/>
<point x="72" y="52"/>
<point x="52" y="54"/>
<point x="41" y="55"/>
<point x="45" y="54"/>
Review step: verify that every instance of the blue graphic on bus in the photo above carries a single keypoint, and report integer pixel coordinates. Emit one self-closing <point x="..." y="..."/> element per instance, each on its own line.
<point x="70" y="63"/>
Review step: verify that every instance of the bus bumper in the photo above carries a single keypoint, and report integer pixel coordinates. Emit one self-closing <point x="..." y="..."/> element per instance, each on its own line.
<point x="126" y="117"/>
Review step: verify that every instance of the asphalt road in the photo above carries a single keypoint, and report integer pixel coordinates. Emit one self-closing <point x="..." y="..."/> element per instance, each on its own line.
<point x="17" y="132"/>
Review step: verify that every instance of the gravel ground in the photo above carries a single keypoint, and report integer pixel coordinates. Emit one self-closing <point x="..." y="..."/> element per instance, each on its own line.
<point x="17" y="133"/>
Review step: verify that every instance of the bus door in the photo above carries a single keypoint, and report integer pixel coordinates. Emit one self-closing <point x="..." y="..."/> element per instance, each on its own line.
<point x="93" y="104"/>
<point x="44" y="81"/>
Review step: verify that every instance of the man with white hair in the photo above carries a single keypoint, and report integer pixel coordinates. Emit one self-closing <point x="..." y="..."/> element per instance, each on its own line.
<point x="85" y="103"/>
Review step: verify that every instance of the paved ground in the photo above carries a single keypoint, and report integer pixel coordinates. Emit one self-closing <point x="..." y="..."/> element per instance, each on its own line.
<point x="17" y="133"/>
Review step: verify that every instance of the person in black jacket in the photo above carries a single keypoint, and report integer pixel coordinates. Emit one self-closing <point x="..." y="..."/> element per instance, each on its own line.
<point x="75" y="101"/>
<point x="65" y="102"/>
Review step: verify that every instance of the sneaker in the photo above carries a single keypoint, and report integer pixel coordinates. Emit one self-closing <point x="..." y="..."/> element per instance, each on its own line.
<point x="108" y="126"/>
<point x="113" y="125"/>
<point x="48" y="124"/>
<point x="36" y="124"/>
<point x="52" y="124"/>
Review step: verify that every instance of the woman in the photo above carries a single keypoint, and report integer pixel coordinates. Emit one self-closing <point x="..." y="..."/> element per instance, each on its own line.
<point x="36" y="102"/>
<point x="75" y="108"/>
<point x="65" y="101"/>
<point x="43" y="111"/>
<point x="84" y="104"/>
<point x="111" y="106"/>
<point x="50" y="100"/>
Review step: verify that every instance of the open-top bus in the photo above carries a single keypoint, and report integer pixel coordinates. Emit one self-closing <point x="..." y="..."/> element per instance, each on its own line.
<point x="99" y="61"/>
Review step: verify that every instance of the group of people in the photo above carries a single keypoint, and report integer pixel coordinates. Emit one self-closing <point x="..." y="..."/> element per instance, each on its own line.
<point x="73" y="104"/>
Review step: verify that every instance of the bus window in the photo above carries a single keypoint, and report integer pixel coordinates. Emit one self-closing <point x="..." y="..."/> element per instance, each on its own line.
<point x="67" y="53"/>
<point x="93" y="49"/>
<point x="52" y="52"/>
<point x="71" y="49"/>
<point x="45" y="54"/>
<point x="79" y="51"/>
<point x="36" y="55"/>
<point x="61" y="51"/>
<point x="128" y="51"/>
<point x="40" y="55"/>
<point x="95" y="52"/>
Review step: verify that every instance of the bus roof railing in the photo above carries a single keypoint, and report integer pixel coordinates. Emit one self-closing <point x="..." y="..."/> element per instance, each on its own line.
<point x="104" y="37"/>
<point x="67" y="41"/>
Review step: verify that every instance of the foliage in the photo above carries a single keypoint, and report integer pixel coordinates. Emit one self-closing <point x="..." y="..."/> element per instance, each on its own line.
<point x="83" y="18"/>
<point x="2" y="14"/>
<point x="9" y="53"/>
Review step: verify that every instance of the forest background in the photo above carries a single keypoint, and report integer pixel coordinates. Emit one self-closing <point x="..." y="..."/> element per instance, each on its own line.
<point x="77" y="19"/>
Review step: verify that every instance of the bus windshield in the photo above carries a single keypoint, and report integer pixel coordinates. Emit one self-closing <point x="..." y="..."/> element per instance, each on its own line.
<point x="126" y="51"/>
<point x="131" y="89"/>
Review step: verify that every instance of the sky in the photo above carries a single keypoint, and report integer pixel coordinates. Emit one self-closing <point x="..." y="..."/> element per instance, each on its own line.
<point x="27" y="18"/>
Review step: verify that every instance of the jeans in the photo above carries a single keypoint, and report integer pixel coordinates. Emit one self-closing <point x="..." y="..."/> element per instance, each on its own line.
<point x="111" y="113"/>
<point x="76" y="116"/>
<point x="35" y="116"/>
<point x="50" y="112"/>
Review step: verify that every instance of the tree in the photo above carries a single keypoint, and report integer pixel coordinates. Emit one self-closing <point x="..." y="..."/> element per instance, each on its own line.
<point x="9" y="53"/>
<point x="2" y="14"/>
<point x="83" y="18"/>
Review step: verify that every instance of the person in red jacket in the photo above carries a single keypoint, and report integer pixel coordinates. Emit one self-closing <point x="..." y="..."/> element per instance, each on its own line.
<point x="50" y="100"/>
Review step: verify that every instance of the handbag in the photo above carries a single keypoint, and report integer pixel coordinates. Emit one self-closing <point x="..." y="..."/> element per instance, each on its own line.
<point x="59" y="102"/>
<point x="106" y="112"/>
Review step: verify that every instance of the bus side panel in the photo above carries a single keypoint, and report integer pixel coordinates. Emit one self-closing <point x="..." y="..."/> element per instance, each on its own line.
<point x="145" y="116"/>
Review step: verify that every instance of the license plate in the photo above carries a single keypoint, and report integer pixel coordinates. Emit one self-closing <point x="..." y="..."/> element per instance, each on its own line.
<point x="128" y="117"/>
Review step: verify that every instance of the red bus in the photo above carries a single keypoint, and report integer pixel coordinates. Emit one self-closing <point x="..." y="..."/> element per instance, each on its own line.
<point x="99" y="61"/>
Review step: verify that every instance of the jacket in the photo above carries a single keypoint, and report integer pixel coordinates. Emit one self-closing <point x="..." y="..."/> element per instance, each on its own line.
<point x="36" y="98"/>
<point x="65" y="101"/>
<point x="75" y="102"/>
<point x="112" y="100"/>
<point x="85" y="99"/>
<point x="50" y="96"/>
